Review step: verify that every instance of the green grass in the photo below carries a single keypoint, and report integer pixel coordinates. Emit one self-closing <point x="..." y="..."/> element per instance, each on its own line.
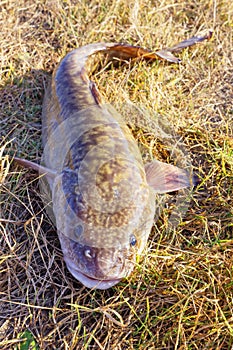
<point x="180" y="295"/>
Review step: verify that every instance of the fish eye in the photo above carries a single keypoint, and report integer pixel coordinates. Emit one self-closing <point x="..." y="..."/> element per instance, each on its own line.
<point x="89" y="254"/>
<point x="133" y="241"/>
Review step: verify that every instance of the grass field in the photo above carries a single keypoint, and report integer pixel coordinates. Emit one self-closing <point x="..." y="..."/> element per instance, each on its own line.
<point x="180" y="296"/>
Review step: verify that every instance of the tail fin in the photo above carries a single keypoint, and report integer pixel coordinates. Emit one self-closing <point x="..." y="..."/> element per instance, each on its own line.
<point x="125" y="51"/>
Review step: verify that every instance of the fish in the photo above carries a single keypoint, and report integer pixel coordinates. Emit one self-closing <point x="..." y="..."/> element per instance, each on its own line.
<point x="103" y="196"/>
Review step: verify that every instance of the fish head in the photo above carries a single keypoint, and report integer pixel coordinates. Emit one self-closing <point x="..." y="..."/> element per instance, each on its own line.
<point x="97" y="267"/>
<point x="100" y="243"/>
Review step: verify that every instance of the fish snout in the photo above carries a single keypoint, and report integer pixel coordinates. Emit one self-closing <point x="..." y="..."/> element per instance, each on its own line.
<point x="113" y="264"/>
<point x="88" y="263"/>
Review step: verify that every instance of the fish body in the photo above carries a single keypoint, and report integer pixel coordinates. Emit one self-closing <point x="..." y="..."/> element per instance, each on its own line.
<point x="103" y="206"/>
<point x="103" y="197"/>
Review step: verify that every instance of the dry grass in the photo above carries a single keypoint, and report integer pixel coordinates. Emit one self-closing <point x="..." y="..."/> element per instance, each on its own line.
<point x="181" y="295"/>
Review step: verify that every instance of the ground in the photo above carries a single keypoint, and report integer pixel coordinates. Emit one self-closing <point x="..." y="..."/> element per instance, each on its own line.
<point x="180" y="296"/>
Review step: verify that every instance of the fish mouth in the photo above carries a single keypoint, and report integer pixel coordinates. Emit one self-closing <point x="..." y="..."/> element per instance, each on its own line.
<point x="91" y="282"/>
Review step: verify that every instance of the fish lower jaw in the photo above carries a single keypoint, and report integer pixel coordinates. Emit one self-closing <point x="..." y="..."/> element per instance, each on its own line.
<point x="91" y="282"/>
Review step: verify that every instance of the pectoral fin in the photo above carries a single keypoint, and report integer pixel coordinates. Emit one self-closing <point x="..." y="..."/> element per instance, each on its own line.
<point x="165" y="178"/>
<point x="31" y="165"/>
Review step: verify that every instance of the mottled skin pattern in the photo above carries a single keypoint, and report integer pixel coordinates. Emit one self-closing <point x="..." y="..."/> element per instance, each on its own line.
<point x="101" y="201"/>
